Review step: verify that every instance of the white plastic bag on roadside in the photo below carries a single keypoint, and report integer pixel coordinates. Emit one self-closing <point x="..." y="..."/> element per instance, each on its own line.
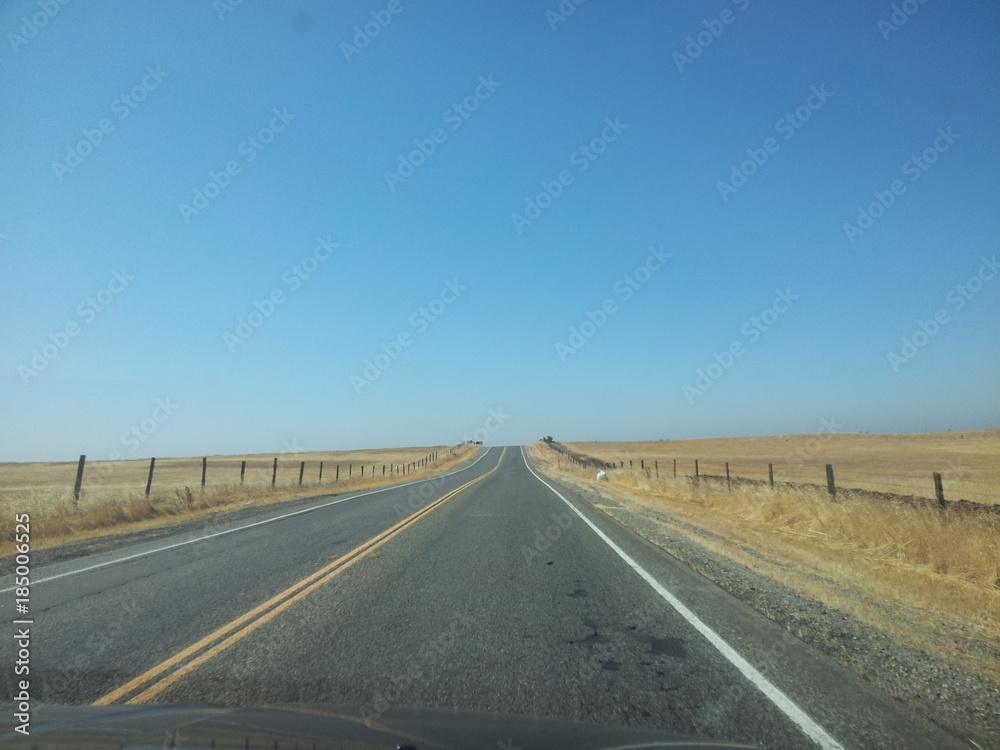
<point x="602" y="476"/>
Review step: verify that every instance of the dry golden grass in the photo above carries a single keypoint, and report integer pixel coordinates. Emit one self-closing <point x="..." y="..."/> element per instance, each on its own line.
<point x="969" y="461"/>
<point x="928" y="578"/>
<point x="113" y="500"/>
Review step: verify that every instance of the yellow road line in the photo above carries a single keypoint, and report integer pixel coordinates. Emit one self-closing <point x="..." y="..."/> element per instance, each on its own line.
<point x="276" y="604"/>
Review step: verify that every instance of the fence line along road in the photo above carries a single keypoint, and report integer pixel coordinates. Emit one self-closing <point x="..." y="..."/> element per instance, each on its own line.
<point x="390" y="469"/>
<point x="651" y="469"/>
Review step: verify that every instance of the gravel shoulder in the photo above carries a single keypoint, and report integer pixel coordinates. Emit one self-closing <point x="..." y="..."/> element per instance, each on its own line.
<point x="961" y="702"/>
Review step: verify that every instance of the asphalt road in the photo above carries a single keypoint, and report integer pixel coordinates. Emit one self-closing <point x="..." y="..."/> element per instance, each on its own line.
<point x="504" y="597"/>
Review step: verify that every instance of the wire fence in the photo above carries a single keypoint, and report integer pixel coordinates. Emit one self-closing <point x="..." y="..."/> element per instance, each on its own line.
<point x="278" y="472"/>
<point x="942" y="487"/>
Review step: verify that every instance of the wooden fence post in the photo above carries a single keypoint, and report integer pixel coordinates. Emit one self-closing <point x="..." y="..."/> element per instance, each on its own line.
<point x="939" y="490"/>
<point x="336" y="477"/>
<point x="243" y="470"/>
<point x="831" y="486"/>
<point x="204" y="470"/>
<point x="697" y="476"/>
<point x="274" y="472"/>
<point x="657" y="464"/>
<point x="321" y="472"/>
<point x="79" y="479"/>
<point x="675" y="468"/>
<point x="149" y="480"/>
<point x="729" y="484"/>
<point x="770" y="474"/>
<point x="302" y="470"/>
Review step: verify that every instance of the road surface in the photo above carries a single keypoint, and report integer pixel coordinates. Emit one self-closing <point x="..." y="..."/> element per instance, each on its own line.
<point x="485" y="590"/>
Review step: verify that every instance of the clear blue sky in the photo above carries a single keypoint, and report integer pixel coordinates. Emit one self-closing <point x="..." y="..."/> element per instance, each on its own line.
<point x="179" y="88"/>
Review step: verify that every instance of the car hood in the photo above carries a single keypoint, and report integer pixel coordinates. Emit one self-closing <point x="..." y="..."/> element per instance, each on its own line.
<point x="282" y="726"/>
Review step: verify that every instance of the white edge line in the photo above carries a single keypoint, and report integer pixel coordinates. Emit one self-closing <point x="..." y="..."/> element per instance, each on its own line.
<point x="243" y="528"/>
<point x="785" y="704"/>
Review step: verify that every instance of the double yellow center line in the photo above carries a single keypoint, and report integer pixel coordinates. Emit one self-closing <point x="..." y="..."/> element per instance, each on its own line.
<point x="165" y="674"/>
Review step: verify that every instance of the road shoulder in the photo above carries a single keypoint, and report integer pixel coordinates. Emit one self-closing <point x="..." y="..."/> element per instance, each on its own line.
<point x="962" y="703"/>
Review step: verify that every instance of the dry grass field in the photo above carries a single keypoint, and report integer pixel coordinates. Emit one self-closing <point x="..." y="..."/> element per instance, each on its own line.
<point x="969" y="462"/>
<point x="113" y="498"/>
<point x="926" y="577"/>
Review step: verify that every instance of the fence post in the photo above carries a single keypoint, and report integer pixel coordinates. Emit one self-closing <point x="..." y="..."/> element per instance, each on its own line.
<point x="321" y="472"/>
<point x="362" y="469"/>
<point x="729" y="484"/>
<point x="204" y="469"/>
<point x="675" y="468"/>
<point x="642" y="464"/>
<point x="274" y="472"/>
<point x="336" y="477"/>
<point x="831" y="486"/>
<point x="383" y="469"/>
<point x="770" y="474"/>
<point x="939" y="490"/>
<point x="350" y="470"/>
<point x="79" y="480"/>
<point x="302" y="470"/>
<point x="697" y="476"/>
<point x="243" y="470"/>
<point x="149" y="481"/>
<point x="657" y="468"/>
